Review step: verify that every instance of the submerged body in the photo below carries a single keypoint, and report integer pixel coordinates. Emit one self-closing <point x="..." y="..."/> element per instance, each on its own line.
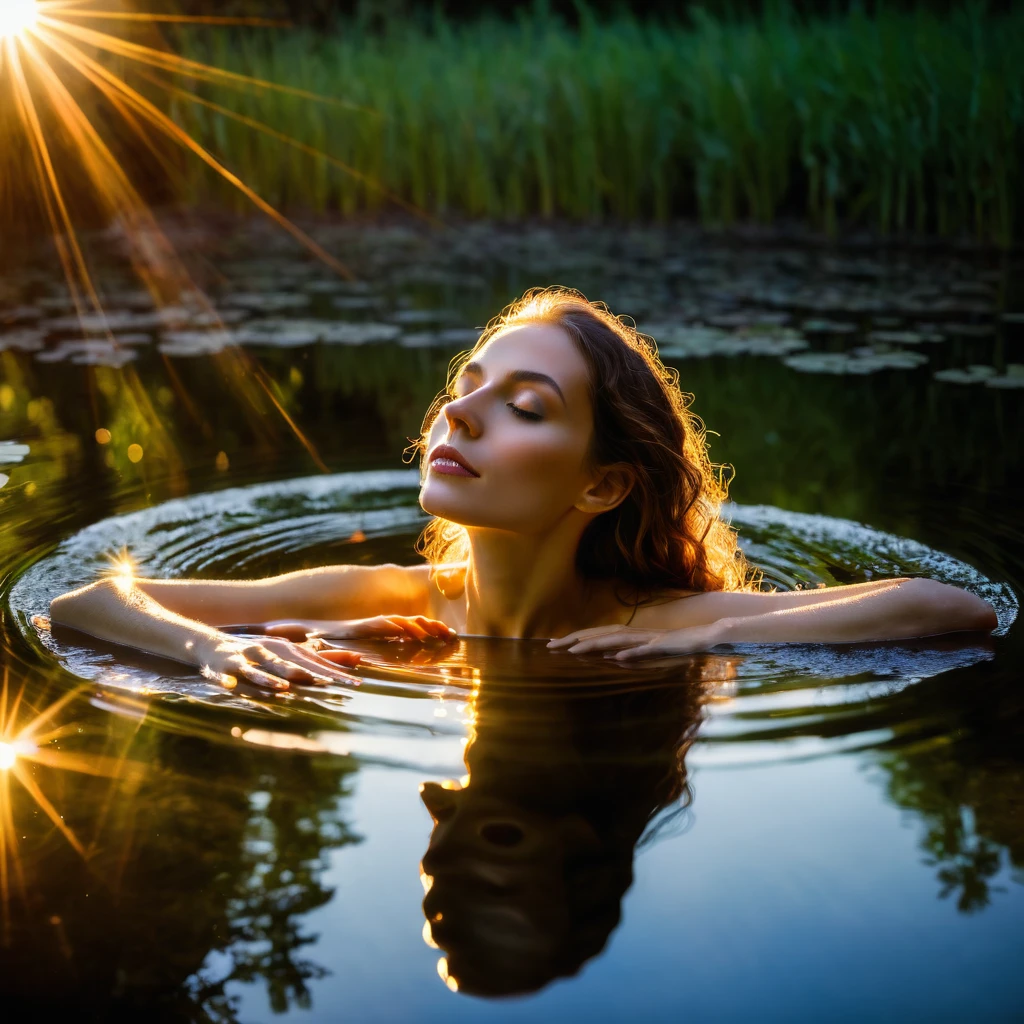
<point x="572" y="500"/>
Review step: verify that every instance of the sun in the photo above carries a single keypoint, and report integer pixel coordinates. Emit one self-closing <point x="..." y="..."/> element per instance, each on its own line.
<point x="16" y="16"/>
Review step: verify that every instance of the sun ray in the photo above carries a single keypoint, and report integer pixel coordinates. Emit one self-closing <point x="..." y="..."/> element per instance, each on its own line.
<point x="266" y="129"/>
<point x="49" y="52"/>
<point x="171" y="19"/>
<point x="110" y="180"/>
<point x="46" y="807"/>
<point x="69" y="252"/>
<point x="185" y="66"/>
<point x="104" y="79"/>
<point x="25" y="743"/>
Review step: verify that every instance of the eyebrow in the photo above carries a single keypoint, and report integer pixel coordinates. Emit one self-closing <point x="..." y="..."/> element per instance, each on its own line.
<point x="524" y="376"/>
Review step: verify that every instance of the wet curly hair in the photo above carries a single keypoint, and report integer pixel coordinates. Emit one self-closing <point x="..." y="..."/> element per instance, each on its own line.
<point x="667" y="534"/>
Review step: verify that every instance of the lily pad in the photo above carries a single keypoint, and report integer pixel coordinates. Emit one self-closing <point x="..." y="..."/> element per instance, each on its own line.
<point x="860" y="361"/>
<point x="195" y="343"/>
<point x="696" y="341"/>
<point x="1013" y="378"/>
<point x="423" y="317"/>
<point x="974" y="374"/>
<point x="12" y="451"/>
<point x="903" y="337"/>
<point x="20" y="314"/>
<point x="93" y="352"/>
<point x="113" y="320"/>
<point x="278" y="333"/>
<point x="355" y="302"/>
<point x="24" y="340"/>
<point x="828" y="327"/>
<point x="266" y="302"/>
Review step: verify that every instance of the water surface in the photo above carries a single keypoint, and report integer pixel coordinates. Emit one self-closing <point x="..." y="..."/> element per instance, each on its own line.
<point x="790" y="832"/>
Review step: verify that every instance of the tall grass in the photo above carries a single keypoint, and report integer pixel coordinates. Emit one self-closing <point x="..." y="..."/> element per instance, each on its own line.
<point x="899" y="121"/>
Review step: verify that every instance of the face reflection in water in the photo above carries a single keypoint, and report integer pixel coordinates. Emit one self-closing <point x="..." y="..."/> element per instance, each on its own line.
<point x="530" y="857"/>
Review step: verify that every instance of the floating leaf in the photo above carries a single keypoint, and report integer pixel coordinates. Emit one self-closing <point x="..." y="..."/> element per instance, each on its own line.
<point x="12" y="451"/>
<point x="24" y="340"/>
<point x="973" y="374"/>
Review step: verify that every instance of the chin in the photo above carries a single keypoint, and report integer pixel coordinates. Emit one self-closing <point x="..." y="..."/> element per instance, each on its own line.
<point x="435" y="502"/>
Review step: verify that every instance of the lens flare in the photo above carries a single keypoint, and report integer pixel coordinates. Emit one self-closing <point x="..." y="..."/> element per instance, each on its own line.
<point x="68" y="88"/>
<point x="30" y="737"/>
<point x="17" y="16"/>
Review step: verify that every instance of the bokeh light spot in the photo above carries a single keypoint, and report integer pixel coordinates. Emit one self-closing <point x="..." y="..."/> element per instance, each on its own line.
<point x="135" y="453"/>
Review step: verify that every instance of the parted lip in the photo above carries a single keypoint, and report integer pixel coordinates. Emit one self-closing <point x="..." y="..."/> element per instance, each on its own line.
<point x="446" y="451"/>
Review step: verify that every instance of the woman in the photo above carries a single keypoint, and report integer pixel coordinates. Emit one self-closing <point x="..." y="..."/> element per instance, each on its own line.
<point x="572" y="498"/>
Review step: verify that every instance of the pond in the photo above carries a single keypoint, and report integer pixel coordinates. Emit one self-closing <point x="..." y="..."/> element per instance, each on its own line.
<point x="493" y="831"/>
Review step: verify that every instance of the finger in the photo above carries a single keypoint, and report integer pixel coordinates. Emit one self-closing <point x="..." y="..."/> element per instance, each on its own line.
<point x="409" y="627"/>
<point x="436" y="628"/>
<point x="295" y="631"/>
<point x="610" y="642"/>
<point x="334" y="656"/>
<point x="291" y="662"/>
<point x="584" y="634"/>
<point x="648" y="650"/>
<point x="263" y="679"/>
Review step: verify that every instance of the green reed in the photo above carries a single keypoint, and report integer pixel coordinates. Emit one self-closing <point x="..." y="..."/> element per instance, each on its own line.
<point x="900" y="121"/>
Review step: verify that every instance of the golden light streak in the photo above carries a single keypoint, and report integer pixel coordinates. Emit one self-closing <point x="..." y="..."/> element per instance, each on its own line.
<point x="106" y="80"/>
<point x="302" y="147"/>
<point x="47" y="52"/>
<point x="64" y="233"/>
<point x="25" y="741"/>
<point x="185" y="66"/>
<point x="173" y="19"/>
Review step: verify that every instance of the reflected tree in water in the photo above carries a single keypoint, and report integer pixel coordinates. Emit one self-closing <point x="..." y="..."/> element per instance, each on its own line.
<point x="198" y="874"/>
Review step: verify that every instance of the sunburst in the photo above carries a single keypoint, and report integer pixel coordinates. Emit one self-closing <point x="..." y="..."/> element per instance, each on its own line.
<point x="29" y="737"/>
<point x="55" y="52"/>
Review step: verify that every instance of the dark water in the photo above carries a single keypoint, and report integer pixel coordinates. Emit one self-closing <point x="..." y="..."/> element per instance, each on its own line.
<point x="791" y="833"/>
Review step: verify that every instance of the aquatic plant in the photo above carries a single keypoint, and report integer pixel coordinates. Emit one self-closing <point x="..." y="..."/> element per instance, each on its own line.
<point x="899" y="121"/>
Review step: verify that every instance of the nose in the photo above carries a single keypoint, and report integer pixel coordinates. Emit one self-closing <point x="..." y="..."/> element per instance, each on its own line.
<point x="462" y="412"/>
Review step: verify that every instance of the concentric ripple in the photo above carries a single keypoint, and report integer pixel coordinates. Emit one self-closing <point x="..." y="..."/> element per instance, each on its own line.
<point x="413" y="706"/>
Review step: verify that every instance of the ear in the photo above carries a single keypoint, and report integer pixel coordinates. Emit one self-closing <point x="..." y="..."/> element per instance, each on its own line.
<point x="610" y="489"/>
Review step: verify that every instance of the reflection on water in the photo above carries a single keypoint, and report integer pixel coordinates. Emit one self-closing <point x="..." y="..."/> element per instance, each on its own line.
<point x="241" y="855"/>
<point x="532" y="852"/>
<point x="191" y="849"/>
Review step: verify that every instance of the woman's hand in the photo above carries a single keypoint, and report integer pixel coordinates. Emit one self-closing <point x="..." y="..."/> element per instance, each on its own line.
<point x="627" y="643"/>
<point x="272" y="664"/>
<point x="380" y="627"/>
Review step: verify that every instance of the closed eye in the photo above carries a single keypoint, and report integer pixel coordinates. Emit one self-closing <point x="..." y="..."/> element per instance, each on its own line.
<point x="523" y="413"/>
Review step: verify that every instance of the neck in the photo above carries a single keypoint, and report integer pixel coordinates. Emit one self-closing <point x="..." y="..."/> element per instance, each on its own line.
<point x="526" y="586"/>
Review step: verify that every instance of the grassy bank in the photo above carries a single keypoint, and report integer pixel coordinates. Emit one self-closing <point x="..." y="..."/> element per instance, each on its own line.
<point x="899" y="122"/>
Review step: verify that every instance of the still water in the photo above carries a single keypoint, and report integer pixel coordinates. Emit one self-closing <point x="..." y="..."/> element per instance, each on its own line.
<point x="781" y="833"/>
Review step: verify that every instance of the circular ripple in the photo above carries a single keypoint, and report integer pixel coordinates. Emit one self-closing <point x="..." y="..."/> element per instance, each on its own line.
<point x="764" y="701"/>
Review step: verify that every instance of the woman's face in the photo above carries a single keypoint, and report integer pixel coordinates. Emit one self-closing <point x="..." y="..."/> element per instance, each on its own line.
<point x="521" y="423"/>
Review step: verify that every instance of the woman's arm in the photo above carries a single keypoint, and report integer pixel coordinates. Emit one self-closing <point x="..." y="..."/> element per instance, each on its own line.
<point x="911" y="608"/>
<point x="332" y="593"/>
<point x="174" y="619"/>
<point x="890" y="610"/>
<point x="119" y="612"/>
